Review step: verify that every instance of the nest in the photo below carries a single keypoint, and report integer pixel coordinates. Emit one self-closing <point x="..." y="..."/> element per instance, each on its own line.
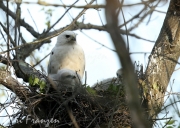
<point x="103" y="105"/>
<point x="82" y="107"/>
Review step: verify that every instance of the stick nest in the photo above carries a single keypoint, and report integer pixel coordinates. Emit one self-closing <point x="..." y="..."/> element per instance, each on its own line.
<point x="82" y="107"/>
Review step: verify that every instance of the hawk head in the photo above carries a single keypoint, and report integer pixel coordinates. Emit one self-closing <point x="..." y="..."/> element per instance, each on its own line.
<point x="66" y="37"/>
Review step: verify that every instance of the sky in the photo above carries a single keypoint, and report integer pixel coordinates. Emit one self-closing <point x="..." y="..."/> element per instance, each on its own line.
<point x="101" y="63"/>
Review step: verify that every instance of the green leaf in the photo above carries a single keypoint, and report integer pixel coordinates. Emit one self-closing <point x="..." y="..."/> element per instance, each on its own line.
<point x="42" y="85"/>
<point x="170" y="122"/>
<point x="155" y="86"/>
<point x="48" y="23"/>
<point x="90" y="90"/>
<point x="42" y="9"/>
<point x="33" y="80"/>
<point x="113" y="88"/>
<point x="169" y="127"/>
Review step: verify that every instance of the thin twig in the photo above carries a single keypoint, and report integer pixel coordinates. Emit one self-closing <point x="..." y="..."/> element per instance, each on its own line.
<point x="7" y="17"/>
<point x="55" y="34"/>
<point x="98" y="42"/>
<point x="33" y="20"/>
<point x="128" y="69"/>
<point x="40" y="60"/>
<point x="72" y="117"/>
<point x="126" y="29"/>
<point x="61" y="17"/>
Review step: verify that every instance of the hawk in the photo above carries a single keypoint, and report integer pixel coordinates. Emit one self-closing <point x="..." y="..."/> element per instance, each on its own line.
<point x="67" y="54"/>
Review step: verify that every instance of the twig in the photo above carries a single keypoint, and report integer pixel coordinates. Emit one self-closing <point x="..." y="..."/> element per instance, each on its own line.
<point x="98" y="42"/>
<point x="128" y="69"/>
<point x="93" y="120"/>
<point x="99" y="15"/>
<point x="134" y="17"/>
<point x="43" y="3"/>
<point x="72" y="117"/>
<point x="85" y="77"/>
<point x="61" y="17"/>
<point x="22" y="22"/>
<point x="12" y="84"/>
<point x="7" y="17"/>
<point x="40" y="60"/>
<point x="33" y="20"/>
<point x="56" y="33"/>
<point x="6" y="31"/>
<point x="126" y="29"/>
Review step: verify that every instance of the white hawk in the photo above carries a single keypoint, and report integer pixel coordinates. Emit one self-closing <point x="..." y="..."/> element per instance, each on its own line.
<point x="66" y="77"/>
<point x="67" y="54"/>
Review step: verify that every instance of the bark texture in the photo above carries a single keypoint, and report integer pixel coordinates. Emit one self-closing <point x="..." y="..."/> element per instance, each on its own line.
<point x="163" y="59"/>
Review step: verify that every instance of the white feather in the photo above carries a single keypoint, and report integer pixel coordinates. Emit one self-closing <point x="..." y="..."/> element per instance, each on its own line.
<point x="67" y="54"/>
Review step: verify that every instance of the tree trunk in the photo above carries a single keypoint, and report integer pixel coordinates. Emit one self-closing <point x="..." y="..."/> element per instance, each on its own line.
<point x="163" y="59"/>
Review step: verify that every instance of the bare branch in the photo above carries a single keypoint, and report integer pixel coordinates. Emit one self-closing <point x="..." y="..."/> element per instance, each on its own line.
<point x="81" y="25"/>
<point x="73" y="26"/>
<point x="43" y="3"/>
<point x="22" y="22"/>
<point x="128" y="69"/>
<point x="8" y="44"/>
<point x="52" y="34"/>
<point x="6" y="31"/>
<point x="98" y="42"/>
<point x="9" y="82"/>
<point x="134" y="17"/>
<point x="41" y="60"/>
<point x="61" y="17"/>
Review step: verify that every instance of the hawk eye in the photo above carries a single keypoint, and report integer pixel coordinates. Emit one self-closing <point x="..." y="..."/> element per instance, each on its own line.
<point x="67" y="36"/>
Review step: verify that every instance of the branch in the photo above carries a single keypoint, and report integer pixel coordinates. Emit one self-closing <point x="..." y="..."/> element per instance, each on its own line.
<point x="22" y="22"/>
<point x="163" y="58"/>
<point x="81" y="25"/>
<point x="61" y="17"/>
<point x="6" y="31"/>
<point x="43" y="3"/>
<point x="44" y="38"/>
<point x="9" y="82"/>
<point x="134" y="17"/>
<point x="128" y="69"/>
<point x="3" y="60"/>
<point x="23" y="70"/>
<point x="73" y="26"/>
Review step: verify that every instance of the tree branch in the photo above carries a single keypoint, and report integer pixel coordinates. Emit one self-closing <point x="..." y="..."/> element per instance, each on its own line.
<point x="22" y="22"/>
<point x="163" y="58"/>
<point x="128" y="69"/>
<point x="45" y="37"/>
<point x="12" y="84"/>
<point x="43" y="3"/>
<point x="27" y="48"/>
<point x="61" y="17"/>
<point x="23" y="70"/>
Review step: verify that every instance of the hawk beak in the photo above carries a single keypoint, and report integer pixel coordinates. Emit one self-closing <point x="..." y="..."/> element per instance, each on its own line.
<point x="73" y="38"/>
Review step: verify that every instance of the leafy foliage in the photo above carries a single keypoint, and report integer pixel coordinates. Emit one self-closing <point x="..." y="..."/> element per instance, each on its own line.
<point x="36" y="82"/>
